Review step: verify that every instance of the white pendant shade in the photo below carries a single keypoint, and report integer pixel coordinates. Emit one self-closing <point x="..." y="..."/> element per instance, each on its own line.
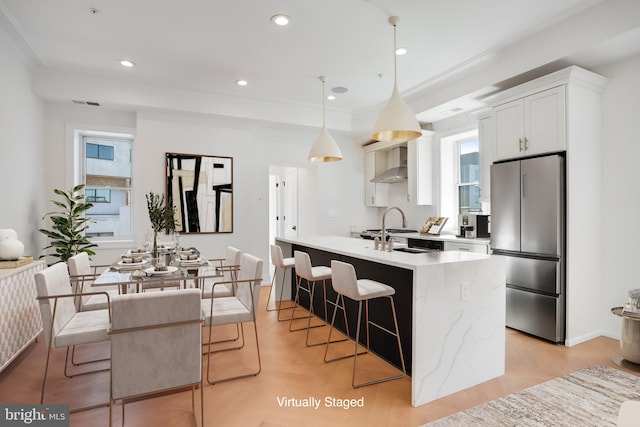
<point x="325" y="149"/>
<point x="396" y="122"/>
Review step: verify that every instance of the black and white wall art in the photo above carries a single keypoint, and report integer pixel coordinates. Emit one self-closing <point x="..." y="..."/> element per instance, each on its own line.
<point x="201" y="190"/>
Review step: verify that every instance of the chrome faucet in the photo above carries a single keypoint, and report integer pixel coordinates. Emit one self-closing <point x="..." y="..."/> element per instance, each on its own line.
<point x="384" y="230"/>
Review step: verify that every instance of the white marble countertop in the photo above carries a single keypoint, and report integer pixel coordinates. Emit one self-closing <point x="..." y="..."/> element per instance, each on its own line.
<point x="363" y="249"/>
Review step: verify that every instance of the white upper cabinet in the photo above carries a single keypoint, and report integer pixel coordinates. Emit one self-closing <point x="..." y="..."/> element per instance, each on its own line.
<point x="487" y="137"/>
<point x="376" y="193"/>
<point x="420" y="170"/>
<point x="531" y="125"/>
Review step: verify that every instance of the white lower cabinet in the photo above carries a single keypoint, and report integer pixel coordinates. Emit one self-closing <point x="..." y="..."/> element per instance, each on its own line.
<point x="466" y="247"/>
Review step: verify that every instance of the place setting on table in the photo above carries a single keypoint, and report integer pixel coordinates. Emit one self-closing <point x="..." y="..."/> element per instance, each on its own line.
<point x="137" y="265"/>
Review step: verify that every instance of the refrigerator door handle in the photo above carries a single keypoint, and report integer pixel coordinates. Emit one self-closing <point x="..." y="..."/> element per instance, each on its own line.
<point x="524" y="185"/>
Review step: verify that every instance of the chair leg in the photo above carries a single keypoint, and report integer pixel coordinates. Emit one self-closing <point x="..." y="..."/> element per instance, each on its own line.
<point x="278" y="304"/>
<point x="297" y="304"/>
<point x="74" y="363"/>
<point x="240" y="329"/>
<point x="280" y="308"/>
<point x="346" y="324"/>
<point x="273" y="279"/>
<point x="324" y="288"/>
<point x="396" y="334"/>
<point x="250" y="374"/>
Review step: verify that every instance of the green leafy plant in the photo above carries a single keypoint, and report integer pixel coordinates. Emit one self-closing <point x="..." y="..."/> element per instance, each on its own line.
<point x="69" y="224"/>
<point x="161" y="216"/>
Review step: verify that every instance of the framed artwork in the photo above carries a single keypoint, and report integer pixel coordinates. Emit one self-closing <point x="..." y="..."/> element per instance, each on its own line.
<point x="200" y="188"/>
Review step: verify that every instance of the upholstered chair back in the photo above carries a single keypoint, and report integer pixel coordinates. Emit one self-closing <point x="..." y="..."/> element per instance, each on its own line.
<point x="250" y="268"/>
<point x="156" y="341"/>
<point x="276" y="256"/>
<point x="344" y="279"/>
<point x="79" y="264"/>
<point x="303" y="265"/>
<point x="54" y="280"/>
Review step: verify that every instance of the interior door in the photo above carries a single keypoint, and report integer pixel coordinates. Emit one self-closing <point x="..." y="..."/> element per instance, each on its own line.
<point x="291" y="204"/>
<point x="505" y="206"/>
<point x="542" y="205"/>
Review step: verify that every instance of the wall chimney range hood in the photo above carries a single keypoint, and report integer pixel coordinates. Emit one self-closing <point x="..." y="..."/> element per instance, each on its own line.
<point x="396" y="167"/>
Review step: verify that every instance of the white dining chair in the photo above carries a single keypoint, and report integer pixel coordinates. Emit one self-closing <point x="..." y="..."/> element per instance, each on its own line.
<point x="156" y="342"/>
<point x="65" y="326"/>
<point x="236" y="309"/>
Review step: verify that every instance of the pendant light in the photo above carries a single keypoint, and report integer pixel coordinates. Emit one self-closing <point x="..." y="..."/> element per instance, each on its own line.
<point x="396" y="122"/>
<point x="325" y="149"/>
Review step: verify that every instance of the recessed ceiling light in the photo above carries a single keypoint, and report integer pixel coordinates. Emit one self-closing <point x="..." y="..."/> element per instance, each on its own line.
<point x="127" y="63"/>
<point x="242" y="82"/>
<point x="331" y="97"/>
<point x="280" y="20"/>
<point x="401" y="51"/>
<point x="339" y="89"/>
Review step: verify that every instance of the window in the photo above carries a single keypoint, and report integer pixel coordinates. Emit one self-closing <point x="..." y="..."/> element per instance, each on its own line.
<point x="459" y="176"/>
<point x="104" y="165"/>
<point x="97" y="151"/>
<point x="98" y="195"/>
<point x="469" y="176"/>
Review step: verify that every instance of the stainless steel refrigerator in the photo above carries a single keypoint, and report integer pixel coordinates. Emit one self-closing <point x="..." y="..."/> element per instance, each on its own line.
<point x="528" y="227"/>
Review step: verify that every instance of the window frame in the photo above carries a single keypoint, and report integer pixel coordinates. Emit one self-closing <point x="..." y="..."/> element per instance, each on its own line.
<point x="458" y="169"/>
<point x="77" y="133"/>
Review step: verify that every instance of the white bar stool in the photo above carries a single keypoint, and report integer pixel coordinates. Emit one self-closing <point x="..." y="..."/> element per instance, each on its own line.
<point x="311" y="275"/>
<point x="346" y="284"/>
<point x="279" y="262"/>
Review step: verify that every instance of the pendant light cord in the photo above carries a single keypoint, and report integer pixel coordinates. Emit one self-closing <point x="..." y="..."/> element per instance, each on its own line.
<point x="395" y="57"/>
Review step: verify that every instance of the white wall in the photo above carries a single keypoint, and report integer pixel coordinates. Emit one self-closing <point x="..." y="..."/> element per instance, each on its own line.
<point x="621" y="201"/>
<point x="21" y="158"/>
<point x="254" y="148"/>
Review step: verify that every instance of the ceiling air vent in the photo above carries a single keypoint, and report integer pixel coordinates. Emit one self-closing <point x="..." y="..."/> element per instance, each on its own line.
<point x="79" y="102"/>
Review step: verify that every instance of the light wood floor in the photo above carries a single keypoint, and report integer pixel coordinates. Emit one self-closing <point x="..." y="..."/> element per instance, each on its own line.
<point x="291" y="370"/>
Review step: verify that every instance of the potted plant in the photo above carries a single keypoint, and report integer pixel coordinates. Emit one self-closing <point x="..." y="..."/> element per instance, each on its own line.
<point x="69" y="225"/>
<point x="161" y="216"/>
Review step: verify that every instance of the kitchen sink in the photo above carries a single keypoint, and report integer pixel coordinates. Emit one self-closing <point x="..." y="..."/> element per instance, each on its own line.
<point x="414" y="250"/>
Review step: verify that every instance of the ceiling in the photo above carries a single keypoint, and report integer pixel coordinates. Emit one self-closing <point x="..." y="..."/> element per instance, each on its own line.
<point x="206" y="45"/>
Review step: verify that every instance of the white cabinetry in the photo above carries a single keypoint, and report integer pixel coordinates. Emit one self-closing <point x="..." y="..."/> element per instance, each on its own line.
<point x="531" y="125"/>
<point x="420" y="170"/>
<point x="466" y="247"/>
<point x="563" y="112"/>
<point x="20" y="321"/>
<point x="487" y="136"/>
<point x="376" y="193"/>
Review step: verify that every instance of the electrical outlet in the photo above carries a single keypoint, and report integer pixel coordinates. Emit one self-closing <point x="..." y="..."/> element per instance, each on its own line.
<point x="465" y="290"/>
<point x="332" y="213"/>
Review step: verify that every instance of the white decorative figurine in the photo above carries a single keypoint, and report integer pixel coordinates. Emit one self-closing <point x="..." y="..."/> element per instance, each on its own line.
<point x="10" y="247"/>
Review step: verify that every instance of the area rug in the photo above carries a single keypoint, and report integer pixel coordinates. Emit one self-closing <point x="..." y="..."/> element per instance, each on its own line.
<point x="589" y="397"/>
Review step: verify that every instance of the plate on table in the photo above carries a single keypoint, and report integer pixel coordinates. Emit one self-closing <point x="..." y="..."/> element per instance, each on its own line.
<point x="152" y="271"/>
<point x="132" y="264"/>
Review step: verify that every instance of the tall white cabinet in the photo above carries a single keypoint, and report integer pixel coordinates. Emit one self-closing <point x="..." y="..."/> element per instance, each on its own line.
<point x="562" y="112"/>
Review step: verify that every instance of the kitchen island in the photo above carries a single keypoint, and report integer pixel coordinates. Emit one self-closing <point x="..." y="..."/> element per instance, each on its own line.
<point x="450" y="306"/>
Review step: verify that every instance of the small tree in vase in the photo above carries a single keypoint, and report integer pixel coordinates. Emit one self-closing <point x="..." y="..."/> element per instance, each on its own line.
<point x="161" y="216"/>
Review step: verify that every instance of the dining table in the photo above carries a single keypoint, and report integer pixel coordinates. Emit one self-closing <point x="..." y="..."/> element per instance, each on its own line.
<point x="137" y="271"/>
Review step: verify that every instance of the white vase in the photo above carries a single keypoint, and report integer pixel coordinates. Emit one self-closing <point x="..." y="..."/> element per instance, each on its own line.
<point x="11" y="248"/>
<point x="6" y="233"/>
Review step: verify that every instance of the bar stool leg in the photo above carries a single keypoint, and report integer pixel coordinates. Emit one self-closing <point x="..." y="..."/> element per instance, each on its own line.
<point x="278" y="303"/>
<point x="296" y="303"/>
<point x="324" y="287"/>
<point x="396" y="334"/>
<point x="346" y="323"/>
